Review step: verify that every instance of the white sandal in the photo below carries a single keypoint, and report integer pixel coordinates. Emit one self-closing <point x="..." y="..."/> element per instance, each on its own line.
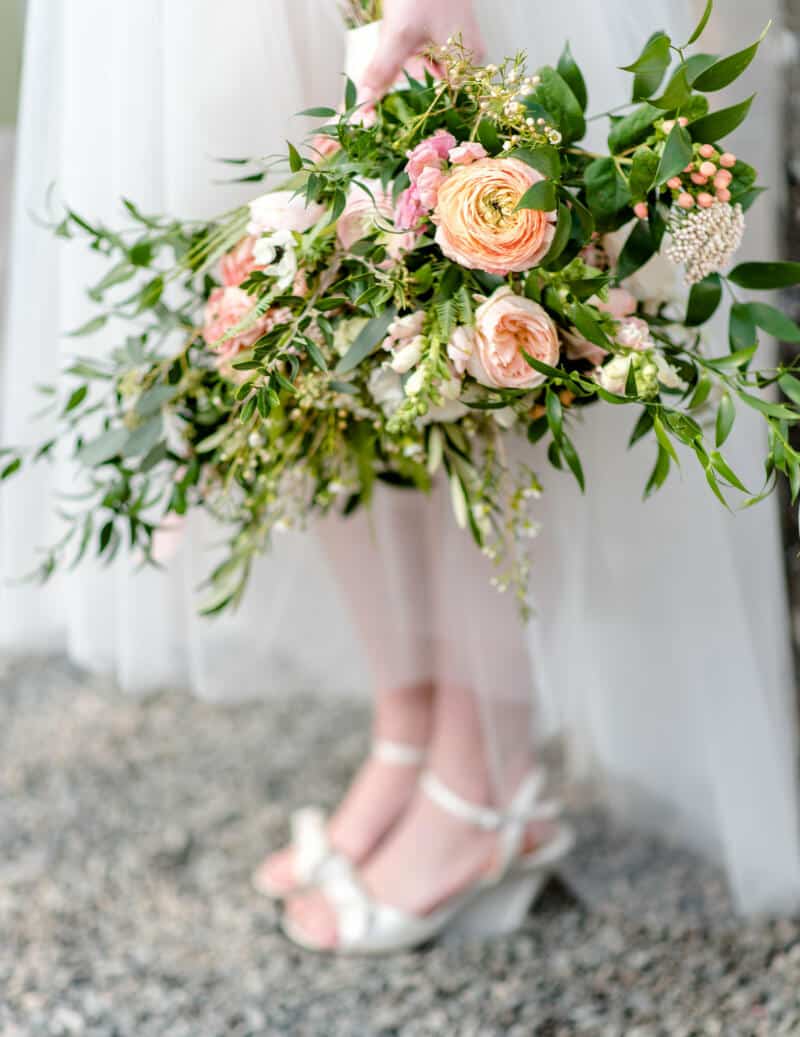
<point x="313" y="853"/>
<point x="490" y="906"/>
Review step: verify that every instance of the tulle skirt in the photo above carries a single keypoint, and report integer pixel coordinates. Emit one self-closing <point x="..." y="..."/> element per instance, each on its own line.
<point x="660" y="645"/>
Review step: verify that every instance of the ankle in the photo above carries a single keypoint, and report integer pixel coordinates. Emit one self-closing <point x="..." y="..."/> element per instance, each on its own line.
<point x="404" y="714"/>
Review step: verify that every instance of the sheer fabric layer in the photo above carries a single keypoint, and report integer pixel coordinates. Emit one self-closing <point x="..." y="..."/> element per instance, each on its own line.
<point x="661" y="638"/>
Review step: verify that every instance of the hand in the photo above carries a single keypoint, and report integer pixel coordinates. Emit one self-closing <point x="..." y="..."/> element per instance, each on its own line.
<point x="411" y="25"/>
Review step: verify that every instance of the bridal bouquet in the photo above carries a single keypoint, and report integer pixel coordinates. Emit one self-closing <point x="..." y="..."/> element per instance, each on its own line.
<point x="445" y="278"/>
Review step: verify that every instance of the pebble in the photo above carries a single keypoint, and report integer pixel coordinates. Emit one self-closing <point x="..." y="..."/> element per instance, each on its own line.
<point x="128" y="830"/>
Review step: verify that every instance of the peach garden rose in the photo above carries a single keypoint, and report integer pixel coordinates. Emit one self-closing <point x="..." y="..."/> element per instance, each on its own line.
<point x="478" y="224"/>
<point x="506" y="325"/>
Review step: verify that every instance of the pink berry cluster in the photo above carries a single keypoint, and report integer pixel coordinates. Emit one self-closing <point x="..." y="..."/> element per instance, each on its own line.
<point x="709" y="171"/>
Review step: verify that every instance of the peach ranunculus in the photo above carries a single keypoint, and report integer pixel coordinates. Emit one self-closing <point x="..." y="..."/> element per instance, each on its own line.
<point x="478" y="224"/>
<point x="506" y="325"/>
<point x="236" y="265"/>
<point x="282" y="210"/>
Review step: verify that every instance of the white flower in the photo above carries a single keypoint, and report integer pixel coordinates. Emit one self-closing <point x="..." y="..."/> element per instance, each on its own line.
<point x="407" y="355"/>
<point x="450" y="410"/>
<point x="266" y="250"/>
<point x="386" y="388"/>
<point x="667" y="374"/>
<point x="613" y="376"/>
<point x="461" y="347"/>
<point x="282" y="211"/>
<point x="506" y="417"/>
<point x="704" y="240"/>
<point x="415" y="382"/>
<point x="406" y="327"/>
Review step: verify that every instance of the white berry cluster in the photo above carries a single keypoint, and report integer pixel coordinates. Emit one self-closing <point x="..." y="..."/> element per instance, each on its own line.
<point x="704" y="240"/>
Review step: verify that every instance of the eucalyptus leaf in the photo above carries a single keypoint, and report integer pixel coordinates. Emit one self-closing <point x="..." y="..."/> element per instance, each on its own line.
<point x="366" y="342"/>
<point x="103" y="448"/>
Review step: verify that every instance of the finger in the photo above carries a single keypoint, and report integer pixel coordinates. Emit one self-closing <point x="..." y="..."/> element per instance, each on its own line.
<point x="394" y="49"/>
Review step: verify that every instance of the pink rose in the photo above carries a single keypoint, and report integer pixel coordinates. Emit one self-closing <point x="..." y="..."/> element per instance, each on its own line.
<point x="461" y="347"/>
<point x="432" y="151"/>
<point x="282" y="210"/>
<point x="428" y="184"/>
<point x="464" y="154"/>
<point x="408" y="210"/>
<point x="239" y="263"/>
<point x="505" y="326"/>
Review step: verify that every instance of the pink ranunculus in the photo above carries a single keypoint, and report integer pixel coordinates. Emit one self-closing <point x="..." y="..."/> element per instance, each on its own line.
<point x="408" y="210"/>
<point x="579" y="348"/>
<point x="363" y="212"/>
<point x="428" y="184"/>
<point x="282" y="210"/>
<point x="239" y="263"/>
<point x="507" y="325"/>
<point x="432" y="151"/>
<point x="461" y="347"/>
<point x="464" y="154"/>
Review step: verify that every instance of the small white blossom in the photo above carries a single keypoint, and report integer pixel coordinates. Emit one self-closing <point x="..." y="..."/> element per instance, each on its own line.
<point x="704" y="240"/>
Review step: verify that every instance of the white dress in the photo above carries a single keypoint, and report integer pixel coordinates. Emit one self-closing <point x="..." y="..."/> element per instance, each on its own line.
<point x="661" y="643"/>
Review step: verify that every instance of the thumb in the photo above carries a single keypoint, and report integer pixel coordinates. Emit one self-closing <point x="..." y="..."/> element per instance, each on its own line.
<point x="394" y="49"/>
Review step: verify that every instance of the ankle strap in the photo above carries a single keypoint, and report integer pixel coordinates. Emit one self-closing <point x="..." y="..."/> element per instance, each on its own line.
<point x="399" y="753"/>
<point x="526" y="806"/>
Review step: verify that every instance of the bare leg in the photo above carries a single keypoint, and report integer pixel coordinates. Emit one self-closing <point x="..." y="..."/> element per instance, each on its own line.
<point x="399" y="660"/>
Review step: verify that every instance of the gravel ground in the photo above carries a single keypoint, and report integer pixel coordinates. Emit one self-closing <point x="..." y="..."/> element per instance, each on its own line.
<point x="127" y="832"/>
